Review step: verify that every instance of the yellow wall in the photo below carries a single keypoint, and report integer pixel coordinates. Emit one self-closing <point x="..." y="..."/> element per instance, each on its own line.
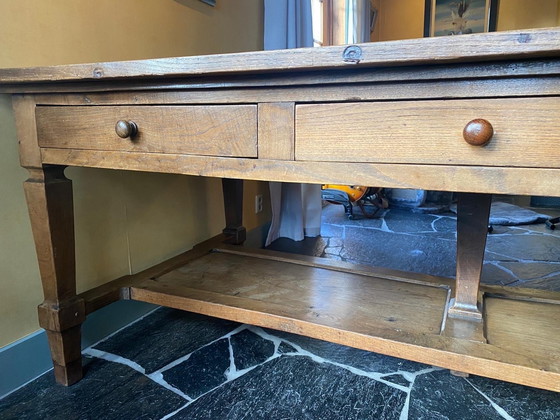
<point x="404" y="19"/>
<point x="124" y="221"/>
<point x="523" y="14"/>
<point x="400" y="19"/>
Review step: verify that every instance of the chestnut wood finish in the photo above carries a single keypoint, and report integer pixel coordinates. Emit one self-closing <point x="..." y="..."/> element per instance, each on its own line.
<point x="202" y="130"/>
<point x="363" y="309"/>
<point x="473" y="212"/>
<point x="431" y="132"/>
<point x="477" y="114"/>
<point x="478" y="132"/>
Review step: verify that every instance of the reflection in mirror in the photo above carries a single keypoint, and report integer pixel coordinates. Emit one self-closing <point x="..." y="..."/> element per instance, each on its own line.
<point x="344" y="21"/>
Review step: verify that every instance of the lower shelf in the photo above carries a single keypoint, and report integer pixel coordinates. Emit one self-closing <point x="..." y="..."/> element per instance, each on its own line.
<point x="394" y="313"/>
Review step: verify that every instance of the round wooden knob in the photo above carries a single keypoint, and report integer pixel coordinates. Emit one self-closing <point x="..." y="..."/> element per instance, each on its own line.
<point x="478" y="132"/>
<point x="125" y="129"/>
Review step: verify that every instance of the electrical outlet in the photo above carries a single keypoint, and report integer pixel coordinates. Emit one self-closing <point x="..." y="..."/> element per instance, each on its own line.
<point x="258" y="203"/>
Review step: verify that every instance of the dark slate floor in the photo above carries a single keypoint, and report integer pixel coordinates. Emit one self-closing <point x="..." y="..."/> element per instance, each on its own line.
<point x="173" y="364"/>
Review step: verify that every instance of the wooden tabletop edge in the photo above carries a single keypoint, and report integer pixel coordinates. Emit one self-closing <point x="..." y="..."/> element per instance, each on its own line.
<point x="486" y="46"/>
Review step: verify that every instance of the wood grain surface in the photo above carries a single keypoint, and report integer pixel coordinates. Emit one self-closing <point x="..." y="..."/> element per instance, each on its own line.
<point x="368" y="312"/>
<point x="431" y="132"/>
<point x="467" y="48"/>
<point x="216" y="130"/>
<point x="276" y="130"/>
<point x="483" y="179"/>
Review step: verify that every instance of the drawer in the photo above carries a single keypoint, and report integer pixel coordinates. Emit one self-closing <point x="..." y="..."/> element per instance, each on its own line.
<point x="215" y="130"/>
<point x="526" y="132"/>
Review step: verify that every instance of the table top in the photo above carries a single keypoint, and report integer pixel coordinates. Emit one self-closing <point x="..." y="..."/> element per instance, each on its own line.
<point x="465" y="48"/>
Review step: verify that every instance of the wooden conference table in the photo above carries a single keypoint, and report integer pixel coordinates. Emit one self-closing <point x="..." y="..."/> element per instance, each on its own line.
<point x="476" y="114"/>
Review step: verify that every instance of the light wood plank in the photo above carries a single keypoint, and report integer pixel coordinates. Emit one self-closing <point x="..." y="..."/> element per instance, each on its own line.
<point x="529" y="327"/>
<point x="276" y="131"/>
<point x="467" y="86"/>
<point x="26" y="129"/>
<point x="316" y="294"/>
<point x="112" y="291"/>
<point x="468" y="48"/>
<point x="330" y="306"/>
<point x="49" y="200"/>
<point x="473" y="211"/>
<point x="528" y="181"/>
<point x="204" y="130"/>
<point x="430" y="132"/>
<point x="455" y="72"/>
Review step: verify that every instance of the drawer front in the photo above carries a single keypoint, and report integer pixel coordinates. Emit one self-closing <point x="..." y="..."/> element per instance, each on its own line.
<point x="526" y="132"/>
<point x="216" y="130"/>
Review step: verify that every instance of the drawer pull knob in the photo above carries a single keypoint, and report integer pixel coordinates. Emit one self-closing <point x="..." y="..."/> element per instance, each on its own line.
<point x="478" y="132"/>
<point x="126" y="129"/>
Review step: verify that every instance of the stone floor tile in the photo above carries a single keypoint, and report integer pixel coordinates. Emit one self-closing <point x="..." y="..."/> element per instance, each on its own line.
<point x="108" y="391"/>
<point x="397" y="379"/>
<point x="334" y="215"/>
<point x="442" y="396"/>
<point x="530" y="271"/>
<point x="449" y="236"/>
<point x="446" y="224"/>
<point x="309" y="246"/>
<point x="515" y="230"/>
<point x="360" y="359"/>
<point x="204" y="370"/>
<point x="548" y="283"/>
<point x="296" y="387"/>
<point x="333" y="250"/>
<point x="339" y="242"/>
<point x="164" y="336"/>
<point x="402" y="221"/>
<point x="284" y="348"/>
<point x="250" y="350"/>
<point x="331" y="231"/>
<point x="540" y="228"/>
<point x="491" y="274"/>
<point x="526" y="247"/>
<point x="414" y="252"/>
<point x="520" y="402"/>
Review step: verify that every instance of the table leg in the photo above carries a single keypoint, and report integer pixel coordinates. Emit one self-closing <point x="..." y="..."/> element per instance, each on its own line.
<point x="49" y="199"/>
<point x="473" y="211"/>
<point x="233" y="206"/>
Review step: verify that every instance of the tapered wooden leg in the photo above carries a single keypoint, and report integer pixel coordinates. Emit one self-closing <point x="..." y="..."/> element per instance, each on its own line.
<point x="49" y="199"/>
<point x="473" y="211"/>
<point x="233" y="205"/>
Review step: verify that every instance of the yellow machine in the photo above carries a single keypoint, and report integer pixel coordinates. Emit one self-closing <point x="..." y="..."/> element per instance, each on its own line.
<point x="355" y="195"/>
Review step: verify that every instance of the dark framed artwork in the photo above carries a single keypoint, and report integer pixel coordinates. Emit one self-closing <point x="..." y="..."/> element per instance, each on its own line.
<point x="458" y="17"/>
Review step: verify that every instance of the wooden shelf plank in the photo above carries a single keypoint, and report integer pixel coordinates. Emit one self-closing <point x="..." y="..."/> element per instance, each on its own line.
<point x="398" y="317"/>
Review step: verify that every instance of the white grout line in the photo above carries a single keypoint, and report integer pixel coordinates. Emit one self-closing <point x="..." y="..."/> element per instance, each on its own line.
<point x="411" y="377"/>
<point x="496" y="407"/>
<point x="437" y="219"/>
<point x="110" y="357"/>
<point x="157" y="377"/>
<point x="385" y="227"/>
<point x="318" y="359"/>
<point x="228" y="380"/>
<point x="504" y="269"/>
<point x="187" y="356"/>
<point x="175" y="412"/>
<point x="231" y="372"/>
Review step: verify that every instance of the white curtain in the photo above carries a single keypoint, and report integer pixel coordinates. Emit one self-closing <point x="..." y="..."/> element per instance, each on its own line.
<point x="359" y="21"/>
<point x="296" y="208"/>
